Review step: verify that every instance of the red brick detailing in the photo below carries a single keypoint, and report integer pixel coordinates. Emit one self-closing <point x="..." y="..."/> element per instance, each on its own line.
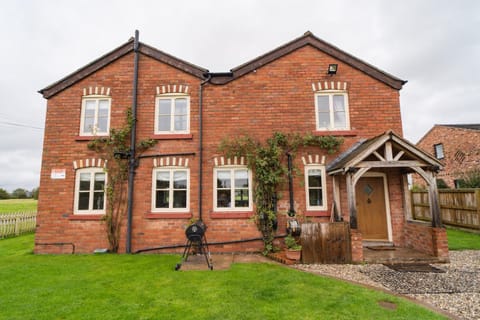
<point x="356" y="245"/>
<point x="317" y="213"/>
<point x="182" y="136"/>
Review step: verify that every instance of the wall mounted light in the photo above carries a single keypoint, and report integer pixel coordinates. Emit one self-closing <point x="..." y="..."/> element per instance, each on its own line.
<point x="332" y="69"/>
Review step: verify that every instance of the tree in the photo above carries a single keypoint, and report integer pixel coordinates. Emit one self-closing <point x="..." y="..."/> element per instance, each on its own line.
<point x="35" y="193"/>
<point x="4" y="194"/>
<point x="20" y="193"/>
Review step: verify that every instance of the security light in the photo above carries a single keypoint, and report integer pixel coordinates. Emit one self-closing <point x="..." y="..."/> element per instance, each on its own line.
<point x="332" y="69"/>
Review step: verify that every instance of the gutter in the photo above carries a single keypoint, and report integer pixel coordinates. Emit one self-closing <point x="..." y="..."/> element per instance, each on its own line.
<point x="132" y="163"/>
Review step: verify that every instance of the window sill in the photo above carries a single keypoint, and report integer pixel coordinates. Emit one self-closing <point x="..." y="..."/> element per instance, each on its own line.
<point x="342" y="133"/>
<point x="169" y="215"/>
<point x="86" y="217"/>
<point x="173" y="136"/>
<point x="231" y="214"/>
<point x="317" y="213"/>
<point x="88" y="138"/>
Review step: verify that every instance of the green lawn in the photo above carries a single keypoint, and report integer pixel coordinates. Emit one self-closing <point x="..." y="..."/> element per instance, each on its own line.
<point x="462" y="240"/>
<point x="147" y="287"/>
<point x="18" y="205"/>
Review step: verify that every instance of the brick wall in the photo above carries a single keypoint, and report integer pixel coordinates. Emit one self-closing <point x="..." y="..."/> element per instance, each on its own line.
<point x="461" y="149"/>
<point x="275" y="97"/>
<point x="424" y="238"/>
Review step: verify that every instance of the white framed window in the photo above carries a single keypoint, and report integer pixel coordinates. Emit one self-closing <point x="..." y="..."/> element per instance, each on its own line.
<point x="316" y="187"/>
<point x="172" y="114"/>
<point x="233" y="189"/>
<point x="331" y="111"/>
<point x="438" y="149"/>
<point x="170" y="190"/>
<point x="95" y="117"/>
<point x="90" y="191"/>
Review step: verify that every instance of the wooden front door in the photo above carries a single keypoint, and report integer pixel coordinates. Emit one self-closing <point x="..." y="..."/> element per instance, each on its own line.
<point x="371" y="209"/>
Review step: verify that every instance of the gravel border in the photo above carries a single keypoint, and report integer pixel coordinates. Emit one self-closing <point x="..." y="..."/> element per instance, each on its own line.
<point x="456" y="290"/>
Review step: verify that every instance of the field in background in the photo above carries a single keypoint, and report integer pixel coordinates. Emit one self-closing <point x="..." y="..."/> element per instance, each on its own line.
<point x="18" y="205"/>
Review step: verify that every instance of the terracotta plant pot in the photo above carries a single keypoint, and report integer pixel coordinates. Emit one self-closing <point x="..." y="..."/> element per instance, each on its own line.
<point x="293" y="254"/>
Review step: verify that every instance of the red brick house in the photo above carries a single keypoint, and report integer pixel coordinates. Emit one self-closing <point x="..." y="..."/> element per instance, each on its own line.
<point x="306" y="86"/>
<point x="456" y="146"/>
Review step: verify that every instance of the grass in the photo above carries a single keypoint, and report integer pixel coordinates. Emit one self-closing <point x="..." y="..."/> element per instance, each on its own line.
<point x="18" y="205"/>
<point x="147" y="287"/>
<point x="462" y="240"/>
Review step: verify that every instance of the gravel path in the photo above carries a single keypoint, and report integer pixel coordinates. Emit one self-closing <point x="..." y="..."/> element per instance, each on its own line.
<point x="455" y="289"/>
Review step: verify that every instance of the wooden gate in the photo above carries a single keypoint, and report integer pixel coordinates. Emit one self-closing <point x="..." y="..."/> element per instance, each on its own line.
<point x="326" y="242"/>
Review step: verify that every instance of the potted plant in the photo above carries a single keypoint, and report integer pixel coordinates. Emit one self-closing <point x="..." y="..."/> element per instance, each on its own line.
<point x="294" y="250"/>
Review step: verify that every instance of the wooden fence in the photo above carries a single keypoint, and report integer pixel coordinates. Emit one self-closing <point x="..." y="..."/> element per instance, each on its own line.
<point x="14" y="224"/>
<point x="458" y="207"/>
<point x="326" y="242"/>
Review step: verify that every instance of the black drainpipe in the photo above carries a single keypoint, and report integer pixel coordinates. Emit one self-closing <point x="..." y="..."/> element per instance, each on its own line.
<point x="291" y="210"/>
<point x="200" y="144"/>
<point x="132" y="163"/>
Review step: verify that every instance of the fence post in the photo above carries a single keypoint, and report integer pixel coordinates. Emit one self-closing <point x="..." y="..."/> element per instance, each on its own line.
<point x="477" y="194"/>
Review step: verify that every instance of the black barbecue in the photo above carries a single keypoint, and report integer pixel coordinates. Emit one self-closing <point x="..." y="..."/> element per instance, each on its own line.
<point x="196" y="237"/>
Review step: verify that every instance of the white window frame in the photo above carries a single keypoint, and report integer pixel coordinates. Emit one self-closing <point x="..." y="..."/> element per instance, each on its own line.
<point x="324" y="188"/>
<point x="171" y="171"/>
<point x="232" y="170"/>
<point x="330" y="94"/>
<point x="94" y="131"/>
<point x="90" y="209"/>
<point x="439" y="151"/>
<point x="172" y="98"/>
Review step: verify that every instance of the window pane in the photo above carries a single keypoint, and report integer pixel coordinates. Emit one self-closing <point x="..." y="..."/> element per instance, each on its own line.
<point x="323" y="120"/>
<point x="163" y="180"/>
<point x="83" y="200"/>
<point x="181" y="106"/>
<point x="223" y="198"/>
<point x="338" y="103"/>
<point x="322" y="104"/>
<point x="180" y="180"/>
<point x="315" y="197"/>
<point x="103" y="106"/>
<point x="180" y="123"/>
<point x="88" y="125"/>
<point x="241" y="179"/>
<point x="164" y="123"/>
<point x="314" y="178"/>
<point x="223" y="179"/>
<point x="99" y="181"/>
<point x="90" y="106"/>
<point x="98" y="200"/>
<point x="180" y="199"/>
<point x="84" y="182"/>
<point x="161" y="199"/>
<point x="241" y="198"/>
<point x="102" y="125"/>
<point x="340" y="120"/>
<point x="164" y="106"/>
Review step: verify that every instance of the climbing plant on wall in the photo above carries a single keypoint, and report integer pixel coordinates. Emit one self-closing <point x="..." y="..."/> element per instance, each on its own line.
<point x="267" y="160"/>
<point x="116" y="150"/>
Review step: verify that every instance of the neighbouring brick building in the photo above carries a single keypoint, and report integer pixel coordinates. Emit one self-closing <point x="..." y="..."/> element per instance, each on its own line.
<point x="456" y="146"/>
<point x="305" y="86"/>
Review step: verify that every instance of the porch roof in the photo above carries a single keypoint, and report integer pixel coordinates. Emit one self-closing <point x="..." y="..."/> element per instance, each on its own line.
<point x="387" y="150"/>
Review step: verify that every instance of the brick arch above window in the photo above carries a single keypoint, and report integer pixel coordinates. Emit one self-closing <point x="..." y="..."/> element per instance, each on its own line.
<point x="313" y="159"/>
<point x="172" y="89"/>
<point x="171" y="162"/>
<point x="97" y="91"/>
<point x="235" y="161"/>
<point x="89" y="163"/>
<point x="329" y="85"/>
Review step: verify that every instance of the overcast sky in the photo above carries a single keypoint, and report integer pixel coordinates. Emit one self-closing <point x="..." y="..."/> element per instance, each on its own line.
<point x="435" y="45"/>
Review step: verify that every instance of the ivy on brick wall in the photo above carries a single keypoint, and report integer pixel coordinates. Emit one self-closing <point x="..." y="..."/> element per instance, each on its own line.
<point x="267" y="160"/>
<point x="116" y="150"/>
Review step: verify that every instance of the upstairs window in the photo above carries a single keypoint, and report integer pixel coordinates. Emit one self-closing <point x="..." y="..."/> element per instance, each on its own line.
<point x="172" y="114"/>
<point x="438" y="149"/>
<point x="233" y="189"/>
<point x="90" y="191"/>
<point x="95" y="116"/>
<point x="315" y="185"/>
<point x="331" y="109"/>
